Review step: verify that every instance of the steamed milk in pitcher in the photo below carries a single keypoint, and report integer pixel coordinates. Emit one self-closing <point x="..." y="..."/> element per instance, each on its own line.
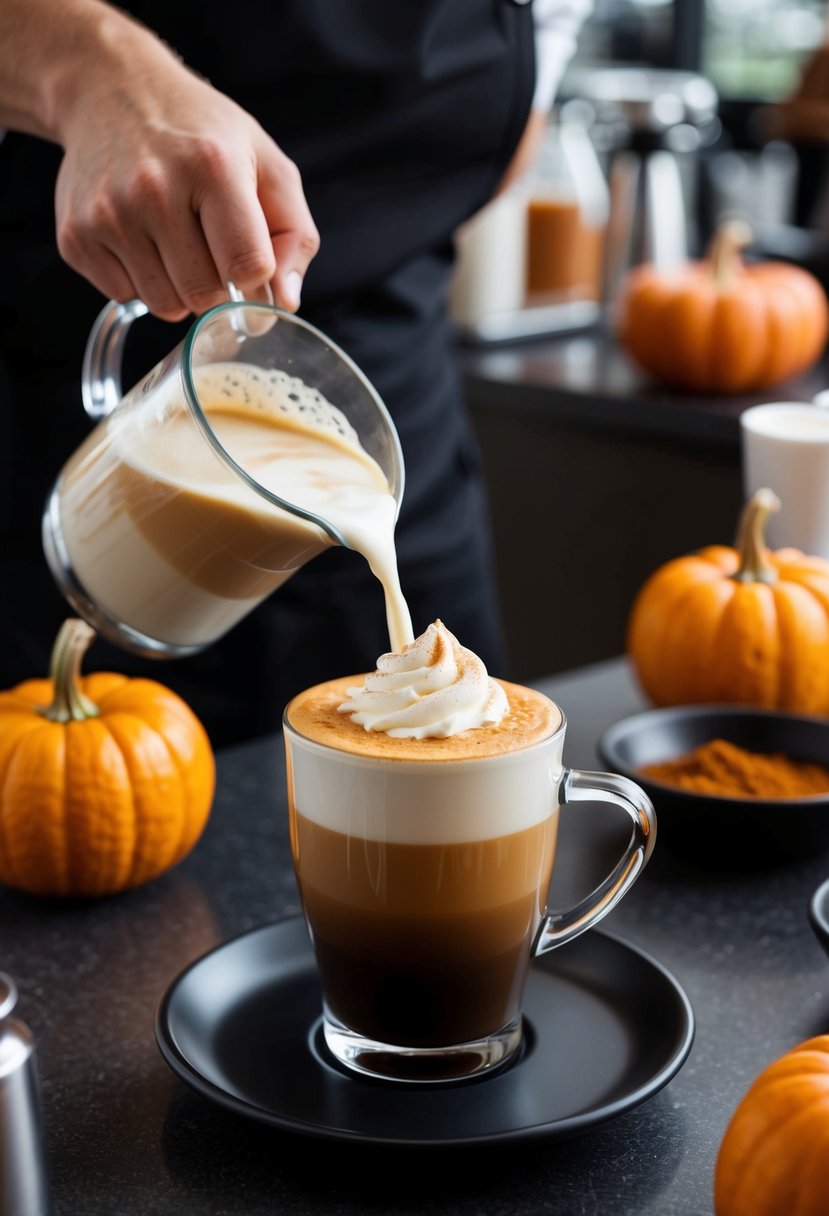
<point x="166" y="537"/>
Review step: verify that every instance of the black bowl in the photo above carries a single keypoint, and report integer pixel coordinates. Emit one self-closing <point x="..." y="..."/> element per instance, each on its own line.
<point x="711" y="829"/>
<point x="819" y="914"/>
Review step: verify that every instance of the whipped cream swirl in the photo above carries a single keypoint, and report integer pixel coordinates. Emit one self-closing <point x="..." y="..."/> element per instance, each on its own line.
<point x="433" y="689"/>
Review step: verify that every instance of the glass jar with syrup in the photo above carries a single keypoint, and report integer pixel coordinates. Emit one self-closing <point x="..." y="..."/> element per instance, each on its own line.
<point x="567" y="210"/>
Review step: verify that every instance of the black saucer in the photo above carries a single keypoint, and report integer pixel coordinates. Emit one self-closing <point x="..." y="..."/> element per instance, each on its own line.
<point x="607" y="1027"/>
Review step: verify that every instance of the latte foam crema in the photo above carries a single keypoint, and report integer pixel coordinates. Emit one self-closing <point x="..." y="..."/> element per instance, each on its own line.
<point x="471" y="780"/>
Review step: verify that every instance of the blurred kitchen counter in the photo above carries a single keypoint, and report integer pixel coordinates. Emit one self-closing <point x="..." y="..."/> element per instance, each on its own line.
<point x="596" y="477"/>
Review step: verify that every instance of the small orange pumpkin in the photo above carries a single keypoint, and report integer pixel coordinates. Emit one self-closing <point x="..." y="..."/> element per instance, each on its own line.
<point x="105" y="782"/>
<point x="742" y="625"/>
<point x="774" y="1156"/>
<point x="719" y="326"/>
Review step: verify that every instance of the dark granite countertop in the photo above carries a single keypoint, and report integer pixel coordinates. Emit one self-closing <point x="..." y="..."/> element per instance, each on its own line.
<point x="586" y="378"/>
<point x="125" y="1136"/>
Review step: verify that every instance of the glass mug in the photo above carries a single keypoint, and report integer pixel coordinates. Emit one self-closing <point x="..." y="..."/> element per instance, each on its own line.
<point x="157" y="530"/>
<point x="424" y="887"/>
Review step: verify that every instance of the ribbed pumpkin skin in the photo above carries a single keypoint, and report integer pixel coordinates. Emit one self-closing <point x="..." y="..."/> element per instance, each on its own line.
<point x="774" y="1156"/>
<point x="696" y="635"/>
<point x="764" y="324"/>
<point x="101" y="805"/>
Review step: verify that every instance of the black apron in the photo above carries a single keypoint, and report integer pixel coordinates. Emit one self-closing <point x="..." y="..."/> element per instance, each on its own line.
<point x="401" y="117"/>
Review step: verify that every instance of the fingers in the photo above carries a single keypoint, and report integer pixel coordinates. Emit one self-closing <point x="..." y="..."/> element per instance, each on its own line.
<point x="189" y="265"/>
<point x="169" y="264"/>
<point x="174" y="229"/>
<point x="109" y="276"/>
<point x="261" y="231"/>
<point x="236" y="233"/>
<point x="145" y="278"/>
<point x="103" y="236"/>
<point x="293" y="234"/>
<point x="152" y="282"/>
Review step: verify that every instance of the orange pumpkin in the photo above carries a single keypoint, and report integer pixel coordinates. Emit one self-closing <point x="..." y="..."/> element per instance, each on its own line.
<point x="719" y="326"/>
<point x="105" y="782"/>
<point x="741" y="625"/>
<point x="774" y="1157"/>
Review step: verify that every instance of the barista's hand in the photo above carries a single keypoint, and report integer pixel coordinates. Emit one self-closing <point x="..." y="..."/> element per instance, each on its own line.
<point x="528" y="148"/>
<point x="168" y="189"/>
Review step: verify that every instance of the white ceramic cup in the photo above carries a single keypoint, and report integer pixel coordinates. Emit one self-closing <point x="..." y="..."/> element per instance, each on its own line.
<point x="785" y="446"/>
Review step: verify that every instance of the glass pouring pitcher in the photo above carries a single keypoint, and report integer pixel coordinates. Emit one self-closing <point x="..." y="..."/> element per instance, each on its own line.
<point x="180" y="512"/>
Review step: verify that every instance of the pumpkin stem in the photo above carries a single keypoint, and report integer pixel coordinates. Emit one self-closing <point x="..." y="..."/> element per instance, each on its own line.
<point x="69" y="703"/>
<point x="751" y="546"/>
<point x="724" y="250"/>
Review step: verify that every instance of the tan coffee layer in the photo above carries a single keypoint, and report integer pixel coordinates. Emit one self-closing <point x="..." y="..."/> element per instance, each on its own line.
<point x="313" y="714"/>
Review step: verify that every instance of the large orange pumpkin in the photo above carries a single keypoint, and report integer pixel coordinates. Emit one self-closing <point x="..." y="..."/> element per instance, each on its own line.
<point x="105" y="782"/>
<point x="742" y="625"/>
<point x="774" y="1156"/>
<point x="719" y="326"/>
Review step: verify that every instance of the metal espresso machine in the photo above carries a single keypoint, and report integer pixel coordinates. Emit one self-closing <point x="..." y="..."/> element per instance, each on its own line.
<point x="648" y="127"/>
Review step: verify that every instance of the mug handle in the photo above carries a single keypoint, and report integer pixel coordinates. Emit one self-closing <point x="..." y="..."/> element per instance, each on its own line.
<point x="101" y="387"/>
<point x="577" y="786"/>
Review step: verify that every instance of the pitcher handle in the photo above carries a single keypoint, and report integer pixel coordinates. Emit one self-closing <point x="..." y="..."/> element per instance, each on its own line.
<point x="101" y="374"/>
<point x="577" y="786"/>
<point x="101" y="386"/>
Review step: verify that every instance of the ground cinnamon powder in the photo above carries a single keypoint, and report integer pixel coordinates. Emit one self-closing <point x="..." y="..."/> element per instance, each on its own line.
<point x="720" y="767"/>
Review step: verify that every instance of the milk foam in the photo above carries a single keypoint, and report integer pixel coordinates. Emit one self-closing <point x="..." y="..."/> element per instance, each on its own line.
<point x="432" y="803"/>
<point x="274" y="392"/>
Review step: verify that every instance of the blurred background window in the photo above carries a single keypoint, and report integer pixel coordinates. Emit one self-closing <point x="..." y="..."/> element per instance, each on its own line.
<point x="756" y="48"/>
<point x="750" y="49"/>
<point x="769" y="160"/>
<point x="673" y="117"/>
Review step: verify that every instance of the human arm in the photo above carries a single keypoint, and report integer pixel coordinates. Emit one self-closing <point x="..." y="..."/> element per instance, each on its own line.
<point x="557" y="26"/>
<point x="167" y="188"/>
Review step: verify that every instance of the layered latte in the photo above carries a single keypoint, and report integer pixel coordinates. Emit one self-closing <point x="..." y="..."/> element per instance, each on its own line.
<point x="423" y="859"/>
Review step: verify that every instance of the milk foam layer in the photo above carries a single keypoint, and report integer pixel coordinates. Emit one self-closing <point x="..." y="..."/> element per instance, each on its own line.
<point x="476" y="785"/>
<point x="405" y="802"/>
<point x="272" y="391"/>
<point x="434" y="689"/>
